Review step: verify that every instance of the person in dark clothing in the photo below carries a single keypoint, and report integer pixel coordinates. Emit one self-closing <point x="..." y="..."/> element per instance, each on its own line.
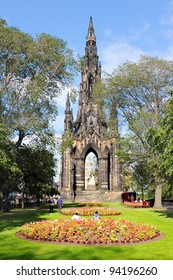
<point x="51" y="205"/>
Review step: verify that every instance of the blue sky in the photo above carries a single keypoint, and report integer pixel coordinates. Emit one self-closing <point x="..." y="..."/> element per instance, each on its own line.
<point x="144" y="25"/>
<point x="124" y="29"/>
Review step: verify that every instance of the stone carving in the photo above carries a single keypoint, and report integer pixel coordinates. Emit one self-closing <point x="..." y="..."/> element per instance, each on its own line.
<point x="90" y="133"/>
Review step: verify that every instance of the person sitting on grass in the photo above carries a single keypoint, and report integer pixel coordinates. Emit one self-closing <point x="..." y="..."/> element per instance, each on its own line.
<point x="96" y="216"/>
<point x="76" y="217"/>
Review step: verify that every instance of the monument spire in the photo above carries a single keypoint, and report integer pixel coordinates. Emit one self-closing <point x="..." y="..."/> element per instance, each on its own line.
<point x="68" y="109"/>
<point x="68" y="121"/>
<point x="90" y="135"/>
<point x="91" y="36"/>
<point x="91" y="57"/>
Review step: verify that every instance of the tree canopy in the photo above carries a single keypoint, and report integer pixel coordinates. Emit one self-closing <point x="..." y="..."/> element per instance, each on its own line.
<point x="33" y="72"/>
<point x="139" y="94"/>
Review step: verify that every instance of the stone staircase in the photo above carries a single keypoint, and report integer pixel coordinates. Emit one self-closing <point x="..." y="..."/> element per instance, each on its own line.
<point x="94" y="196"/>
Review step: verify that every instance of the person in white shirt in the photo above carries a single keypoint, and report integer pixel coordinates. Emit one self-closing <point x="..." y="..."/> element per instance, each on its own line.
<point x="96" y="216"/>
<point x="76" y="217"/>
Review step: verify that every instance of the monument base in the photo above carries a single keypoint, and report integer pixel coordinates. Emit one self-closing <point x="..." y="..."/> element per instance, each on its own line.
<point x="91" y="187"/>
<point x="92" y="196"/>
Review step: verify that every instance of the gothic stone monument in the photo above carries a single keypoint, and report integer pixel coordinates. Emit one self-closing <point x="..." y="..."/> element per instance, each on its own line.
<point x="91" y="134"/>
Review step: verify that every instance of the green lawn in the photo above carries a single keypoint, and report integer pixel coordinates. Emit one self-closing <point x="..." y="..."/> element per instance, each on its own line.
<point x="13" y="248"/>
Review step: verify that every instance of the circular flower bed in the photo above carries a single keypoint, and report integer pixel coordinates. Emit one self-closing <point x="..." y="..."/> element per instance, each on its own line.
<point x="88" y="231"/>
<point x="90" y="211"/>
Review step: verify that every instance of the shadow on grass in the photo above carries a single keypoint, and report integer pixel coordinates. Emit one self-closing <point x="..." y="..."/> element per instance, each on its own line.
<point x="71" y="205"/>
<point x="18" y="217"/>
<point x="165" y="213"/>
<point x="28" y="250"/>
<point x="80" y="204"/>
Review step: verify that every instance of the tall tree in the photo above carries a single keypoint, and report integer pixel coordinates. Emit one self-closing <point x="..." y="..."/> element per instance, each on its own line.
<point x="10" y="173"/>
<point x="38" y="169"/>
<point x="140" y="90"/>
<point x="167" y="142"/>
<point x="160" y="140"/>
<point x="32" y="73"/>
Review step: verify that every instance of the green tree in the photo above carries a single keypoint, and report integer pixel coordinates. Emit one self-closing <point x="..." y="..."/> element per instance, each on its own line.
<point x="10" y="173"/>
<point x="32" y="73"/>
<point x="142" y="176"/>
<point x="140" y="91"/>
<point x="66" y="141"/>
<point x="166" y="140"/>
<point x="38" y="169"/>
<point x="160" y="140"/>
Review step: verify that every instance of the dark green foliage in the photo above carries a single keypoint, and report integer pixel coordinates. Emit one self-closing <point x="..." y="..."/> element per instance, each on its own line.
<point x="10" y="173"/>
<point x="32" y="74"/>
<point x="38" y="169"/>
<point x="160" y="140"/>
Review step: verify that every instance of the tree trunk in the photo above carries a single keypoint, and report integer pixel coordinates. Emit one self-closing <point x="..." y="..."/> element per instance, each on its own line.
<point x="20" y="139"/>
<point x="142" y="193"/>
<point x="158" y="196"/>
<point x="23" y="200"/>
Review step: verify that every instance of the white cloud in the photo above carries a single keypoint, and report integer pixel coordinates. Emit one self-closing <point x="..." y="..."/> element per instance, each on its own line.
<point x="58" y="124"/>
<point x="166" y="54"/>
<point x="118" y="52"/>
<point x="61" y="99"/>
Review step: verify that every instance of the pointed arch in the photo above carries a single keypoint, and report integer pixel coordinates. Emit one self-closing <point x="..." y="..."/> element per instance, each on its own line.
<point x="91" y="147"/>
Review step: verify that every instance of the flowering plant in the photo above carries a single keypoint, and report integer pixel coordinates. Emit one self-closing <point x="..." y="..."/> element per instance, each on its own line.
<point x="88" y="231"/>
<point x="90" y="204"/>
<point x="90" y="211"/>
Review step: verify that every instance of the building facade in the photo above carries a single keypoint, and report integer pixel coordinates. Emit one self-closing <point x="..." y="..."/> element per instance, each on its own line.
<point x="91" y="134"/>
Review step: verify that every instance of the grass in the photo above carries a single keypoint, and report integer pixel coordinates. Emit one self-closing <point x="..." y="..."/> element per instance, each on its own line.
<point x="13" y="248"/>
